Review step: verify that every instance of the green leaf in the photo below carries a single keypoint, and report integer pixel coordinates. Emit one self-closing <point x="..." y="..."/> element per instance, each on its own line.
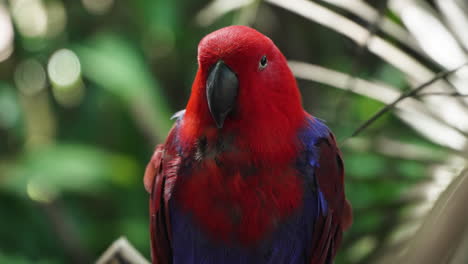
<point x="412" y="169"/>
<point x="44" y="173"/>
<point x="22" y="260"/>
<point x="389" y="74"/>
<point x="364" y="165"/>
<point x="119" y="67"/>
<point x="10" y="111"/>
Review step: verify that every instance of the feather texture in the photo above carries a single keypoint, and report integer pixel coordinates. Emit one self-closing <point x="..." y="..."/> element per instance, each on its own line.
<point x="265" y="187"/>
<point x="312" y="233"/>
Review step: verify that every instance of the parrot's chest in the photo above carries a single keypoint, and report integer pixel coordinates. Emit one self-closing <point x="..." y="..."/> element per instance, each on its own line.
<point x="238" y="204"/>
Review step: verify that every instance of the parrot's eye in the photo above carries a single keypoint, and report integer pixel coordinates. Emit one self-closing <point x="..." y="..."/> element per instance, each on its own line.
<point x="263" y="63"/>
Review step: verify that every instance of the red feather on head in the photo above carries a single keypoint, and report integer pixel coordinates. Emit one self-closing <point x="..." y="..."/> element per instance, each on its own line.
<point x="271" y="111"/>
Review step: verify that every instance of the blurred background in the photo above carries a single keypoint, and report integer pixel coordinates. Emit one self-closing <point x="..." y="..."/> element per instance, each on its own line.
<point x="87" y="88"/>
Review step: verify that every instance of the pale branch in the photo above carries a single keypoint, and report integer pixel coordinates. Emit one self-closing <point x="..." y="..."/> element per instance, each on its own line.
<point x="409" y="93"/>
<point x="121" y="252"/>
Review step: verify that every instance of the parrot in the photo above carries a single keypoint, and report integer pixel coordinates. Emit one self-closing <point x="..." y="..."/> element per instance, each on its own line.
<point x="246" y="175"/>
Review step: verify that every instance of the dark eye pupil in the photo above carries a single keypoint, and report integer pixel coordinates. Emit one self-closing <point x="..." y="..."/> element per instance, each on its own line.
<point x="263" y="61"/>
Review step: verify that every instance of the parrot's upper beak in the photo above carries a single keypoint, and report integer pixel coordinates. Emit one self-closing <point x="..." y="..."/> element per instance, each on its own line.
<point x="222" y="86"/>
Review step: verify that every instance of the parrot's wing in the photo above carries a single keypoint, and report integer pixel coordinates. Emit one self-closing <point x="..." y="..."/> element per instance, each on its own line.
<point x="160" y="176"/>
<point x="329" y="175"/>
<point x="154" y="181"/>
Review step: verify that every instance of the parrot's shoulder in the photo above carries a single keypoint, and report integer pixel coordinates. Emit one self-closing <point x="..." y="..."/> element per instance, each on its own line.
<point x="321" y="164"/>
<point x="314" y="130"/>
<point x="325" y="158"/>
<point x="159" y="180"/>
<point x="163" y="152"/>
<point x="311" y="135"/>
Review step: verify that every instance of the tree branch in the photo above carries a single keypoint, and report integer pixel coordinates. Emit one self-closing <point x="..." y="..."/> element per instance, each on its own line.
<point x="410" y="93"/>
<point x="453" y="94"/>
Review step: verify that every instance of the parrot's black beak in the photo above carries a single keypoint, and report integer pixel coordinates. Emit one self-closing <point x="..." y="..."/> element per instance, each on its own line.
<point x="222" y="86"/>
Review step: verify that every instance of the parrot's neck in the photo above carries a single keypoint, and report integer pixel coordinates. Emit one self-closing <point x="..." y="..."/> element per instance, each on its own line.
<point x="260" y="143"/>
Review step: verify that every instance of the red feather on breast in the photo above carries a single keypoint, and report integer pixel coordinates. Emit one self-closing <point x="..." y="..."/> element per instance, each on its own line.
<point x="233" y="206"/>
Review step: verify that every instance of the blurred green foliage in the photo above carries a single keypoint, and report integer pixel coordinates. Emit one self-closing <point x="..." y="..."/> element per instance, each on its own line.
<point x="75" y="153"/>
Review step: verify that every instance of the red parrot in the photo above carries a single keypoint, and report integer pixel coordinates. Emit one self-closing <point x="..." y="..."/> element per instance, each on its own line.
<point x="245" y="174"/>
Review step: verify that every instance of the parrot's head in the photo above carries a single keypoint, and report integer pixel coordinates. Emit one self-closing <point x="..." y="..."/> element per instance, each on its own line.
<point x="244" y="87"/>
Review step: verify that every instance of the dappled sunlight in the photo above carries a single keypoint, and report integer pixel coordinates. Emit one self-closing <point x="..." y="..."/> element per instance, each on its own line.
<point x="30" y="17"/>
<point x="7" y="35"/>
<point x="64" y="68"/>
<point x="30" y="77"/>
<point x="98" y="7"/>
<point x="37" y="193"/>
<point x="56" y="18"/>
<point x="64" y="71"/>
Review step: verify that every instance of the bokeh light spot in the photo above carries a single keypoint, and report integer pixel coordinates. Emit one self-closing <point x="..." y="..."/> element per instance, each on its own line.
<point x="64" y="68"/>
<point x="57" y="18"/>
<point x="64" y="72"/>
<point x="362" y="247"/>
<point x="6" y="34"/>
<point x="30" y="17"/>
<point x="98" y="7"/>
<point x="37" y="193"/>
<point x="30" y="77"/>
